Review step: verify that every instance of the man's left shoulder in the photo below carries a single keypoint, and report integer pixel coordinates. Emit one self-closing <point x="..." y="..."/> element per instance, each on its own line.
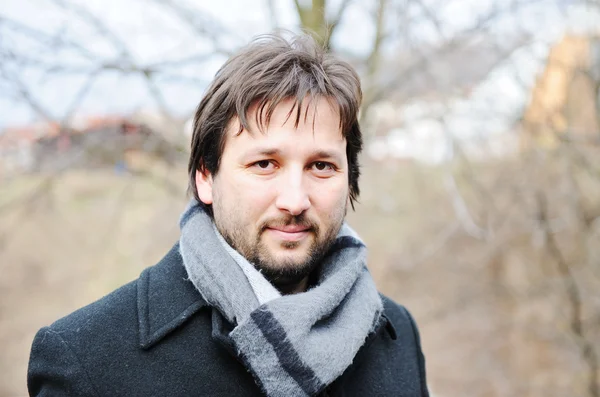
<point x="407" y="342"/>
<point x="401" y="319"/>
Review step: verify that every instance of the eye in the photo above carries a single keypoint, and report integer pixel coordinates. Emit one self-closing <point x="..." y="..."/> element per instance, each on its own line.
<point x="323" y="166"/>
<point x="264" y="164"/>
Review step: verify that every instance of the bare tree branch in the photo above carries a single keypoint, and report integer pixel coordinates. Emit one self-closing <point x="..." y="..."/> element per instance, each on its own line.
<point x="273" y="14"/>
<point x="98" y="24"/>
<point x="25" y="94"/>
<point x="375" y="54"/>
<point x="51" y="42"/>
<point x="78" y="98"/>
<point x="588" y="351"/>
<point x="202" y="25"/>
<point x="335" y="21"/>
<point x="449" y="45"/>
<point x="461" y="210"/>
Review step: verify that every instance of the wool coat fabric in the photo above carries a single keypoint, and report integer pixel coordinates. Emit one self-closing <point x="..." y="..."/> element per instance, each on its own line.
<point x="156" y="336"/>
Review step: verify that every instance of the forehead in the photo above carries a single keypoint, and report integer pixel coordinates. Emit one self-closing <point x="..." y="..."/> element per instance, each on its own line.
<point x="314" y="122"/>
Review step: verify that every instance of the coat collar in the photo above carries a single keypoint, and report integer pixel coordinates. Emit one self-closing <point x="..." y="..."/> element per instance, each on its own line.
<point x="166" y="299"/>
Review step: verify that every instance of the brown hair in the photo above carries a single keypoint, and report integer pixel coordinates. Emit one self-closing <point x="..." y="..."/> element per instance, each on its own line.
<point x="264" y="73"/>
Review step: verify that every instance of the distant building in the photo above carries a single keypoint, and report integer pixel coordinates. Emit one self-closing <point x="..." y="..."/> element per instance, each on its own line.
<point x="16" y="146"/>
<point x="96" y="142"/>
<point x="565" y="102"/>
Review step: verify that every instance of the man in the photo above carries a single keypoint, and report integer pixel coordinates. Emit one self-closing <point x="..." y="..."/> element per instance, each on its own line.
<point x="267" y="290"/>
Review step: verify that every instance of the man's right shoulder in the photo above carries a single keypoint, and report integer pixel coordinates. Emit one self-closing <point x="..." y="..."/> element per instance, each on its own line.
<point x="94" y="349"/>
<point x="65" y="354"/>
<point x="119" y="308"/>
<point x="116" y="305"/>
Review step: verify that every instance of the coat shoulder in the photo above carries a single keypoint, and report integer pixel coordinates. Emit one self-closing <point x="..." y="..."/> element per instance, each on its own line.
<point x="407" y="334"/>
<point x="64" y="355"/>
<point x="112" y="344"/>
<point x="398" y="315"/>
<point x="159" y="295"/>
<point x="118" y="306"/>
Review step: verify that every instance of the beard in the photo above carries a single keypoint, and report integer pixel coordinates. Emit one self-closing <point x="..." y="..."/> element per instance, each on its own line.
<point x="290" y="269"/>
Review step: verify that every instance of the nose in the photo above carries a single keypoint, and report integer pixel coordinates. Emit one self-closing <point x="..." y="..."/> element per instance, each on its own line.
<point x="292" y="196"/>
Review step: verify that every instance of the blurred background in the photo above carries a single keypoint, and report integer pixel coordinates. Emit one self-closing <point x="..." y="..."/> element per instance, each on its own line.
<point x="481" y="170"/>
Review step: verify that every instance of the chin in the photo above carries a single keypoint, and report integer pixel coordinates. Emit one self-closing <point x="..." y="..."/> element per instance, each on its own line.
<point x="285" y="261"/>
<point x="286" y="270"/>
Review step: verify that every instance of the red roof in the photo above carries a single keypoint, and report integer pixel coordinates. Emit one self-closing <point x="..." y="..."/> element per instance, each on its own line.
<point x="28" y="134"/>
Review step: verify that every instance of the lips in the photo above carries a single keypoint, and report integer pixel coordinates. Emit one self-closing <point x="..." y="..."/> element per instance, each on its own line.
<point x="291" y="228"/>
<point x="289" y="232"/>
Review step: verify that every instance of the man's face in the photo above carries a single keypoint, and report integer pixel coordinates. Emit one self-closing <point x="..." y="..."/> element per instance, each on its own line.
<point x="280" y="196"/>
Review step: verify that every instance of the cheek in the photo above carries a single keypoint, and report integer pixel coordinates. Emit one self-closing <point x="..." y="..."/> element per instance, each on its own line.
<point x="250" y="194"/>
<point x="331" y="198"/>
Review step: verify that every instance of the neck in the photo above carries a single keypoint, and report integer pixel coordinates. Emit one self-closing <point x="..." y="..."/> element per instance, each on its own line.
<point x="292" y="288"/>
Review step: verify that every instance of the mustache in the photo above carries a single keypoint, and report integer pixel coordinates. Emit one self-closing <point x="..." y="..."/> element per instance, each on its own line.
<point x="293" y="220"/>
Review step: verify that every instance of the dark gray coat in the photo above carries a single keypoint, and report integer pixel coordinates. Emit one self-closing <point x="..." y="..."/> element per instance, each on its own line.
<point x="156" y="336"/>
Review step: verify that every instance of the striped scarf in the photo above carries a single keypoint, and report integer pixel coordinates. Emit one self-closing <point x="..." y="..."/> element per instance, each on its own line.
<point x="294" y="345"/>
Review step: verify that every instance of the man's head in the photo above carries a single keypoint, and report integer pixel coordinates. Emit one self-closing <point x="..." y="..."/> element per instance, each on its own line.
<point x="275" y="153"/>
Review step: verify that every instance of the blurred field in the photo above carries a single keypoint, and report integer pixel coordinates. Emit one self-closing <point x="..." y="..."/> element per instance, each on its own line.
<point x="67" y="244"/>
<point x="495" y="310"/>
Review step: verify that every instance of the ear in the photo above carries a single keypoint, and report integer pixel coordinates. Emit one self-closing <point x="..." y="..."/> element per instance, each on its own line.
<point x="204" y="183"/>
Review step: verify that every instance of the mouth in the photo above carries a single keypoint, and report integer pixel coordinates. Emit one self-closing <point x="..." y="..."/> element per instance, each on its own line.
<point x="289" y="232"/>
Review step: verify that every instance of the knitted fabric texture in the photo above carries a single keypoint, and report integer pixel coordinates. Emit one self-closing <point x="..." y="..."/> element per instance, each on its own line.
<point x="263" y="289"/>
<point x="294" y="345"/>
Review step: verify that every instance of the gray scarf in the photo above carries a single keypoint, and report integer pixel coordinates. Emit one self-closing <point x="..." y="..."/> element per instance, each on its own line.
<point x="294" y="345"/>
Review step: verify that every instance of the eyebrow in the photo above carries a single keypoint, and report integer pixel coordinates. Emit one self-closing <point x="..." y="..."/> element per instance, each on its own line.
<point x="267" y="152"/>
<point x="328" y="155"/>
<point x="325" y="154"/>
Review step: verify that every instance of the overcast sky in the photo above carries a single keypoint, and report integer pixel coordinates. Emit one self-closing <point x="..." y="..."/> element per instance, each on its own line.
<point x="152" y="34"/>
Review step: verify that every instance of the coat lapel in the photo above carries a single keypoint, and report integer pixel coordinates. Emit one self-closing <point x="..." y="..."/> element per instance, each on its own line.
<point x="166" y="299"/>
